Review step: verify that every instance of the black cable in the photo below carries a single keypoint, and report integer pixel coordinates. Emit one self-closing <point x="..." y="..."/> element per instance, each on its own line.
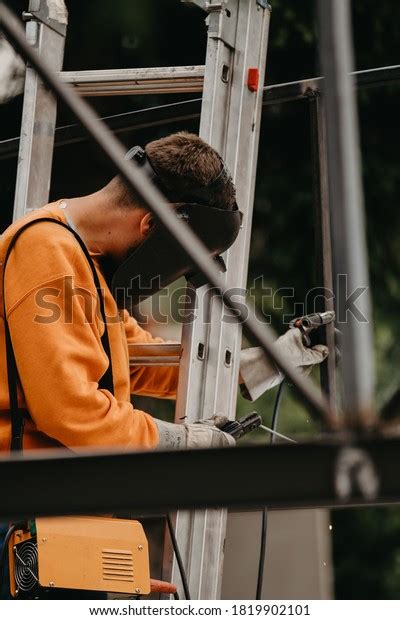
<point x="263" y="545"/>
<point x="118" y="122"/>
<point x="178" y="558"/>
<point x="264" y="522"/>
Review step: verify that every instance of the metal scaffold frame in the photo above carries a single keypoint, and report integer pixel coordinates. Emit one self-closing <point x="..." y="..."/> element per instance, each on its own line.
<point x="346" y="470"/>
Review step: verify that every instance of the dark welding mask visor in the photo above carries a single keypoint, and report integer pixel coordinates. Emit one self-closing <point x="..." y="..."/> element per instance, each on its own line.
<point x="159" y="261"/>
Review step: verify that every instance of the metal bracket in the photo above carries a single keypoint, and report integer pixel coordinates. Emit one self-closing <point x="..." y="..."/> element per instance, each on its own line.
<point x="355" y="472"/>
<point x="211" y="7"/>
<point x="200" y="3"/>
<point x="264" y="4"/>
<point x="54" y="17"/>
<point x="206" y="6"/>
<point x="220" y="21"/>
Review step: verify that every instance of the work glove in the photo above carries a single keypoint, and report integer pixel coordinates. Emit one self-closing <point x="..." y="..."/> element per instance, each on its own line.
<point x="202" y="434"/>
<point x="259" y="374"/>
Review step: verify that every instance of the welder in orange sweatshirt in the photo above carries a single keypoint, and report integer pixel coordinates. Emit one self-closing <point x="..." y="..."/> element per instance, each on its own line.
<point x="52" y="307"/>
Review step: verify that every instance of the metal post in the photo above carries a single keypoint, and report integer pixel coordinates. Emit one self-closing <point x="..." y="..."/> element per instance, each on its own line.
<point x="45" y="30"/>
<point x="324" y="268"/>
<point x="230" y="121"/>
<point x="348" y="225"/>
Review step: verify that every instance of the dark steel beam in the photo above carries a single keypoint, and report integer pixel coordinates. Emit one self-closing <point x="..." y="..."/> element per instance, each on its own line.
<point x="147" y="193"/>
<point x="301" y="89"/>
<point x="324" y="299"/>
<point x="280" y="476"/>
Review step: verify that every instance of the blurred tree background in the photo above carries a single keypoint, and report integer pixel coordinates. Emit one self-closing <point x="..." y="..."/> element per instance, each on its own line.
<point x="140" y="33"/>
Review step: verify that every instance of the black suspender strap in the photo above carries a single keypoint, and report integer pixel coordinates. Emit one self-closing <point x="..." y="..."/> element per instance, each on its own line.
<point x="106" y="382"/>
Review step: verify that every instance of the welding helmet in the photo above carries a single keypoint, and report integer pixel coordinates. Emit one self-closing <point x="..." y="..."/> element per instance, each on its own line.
<point x="159" y="260"/>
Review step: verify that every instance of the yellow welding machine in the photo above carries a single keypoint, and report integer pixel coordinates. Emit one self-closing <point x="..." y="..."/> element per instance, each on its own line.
<point x="79" y="553"/>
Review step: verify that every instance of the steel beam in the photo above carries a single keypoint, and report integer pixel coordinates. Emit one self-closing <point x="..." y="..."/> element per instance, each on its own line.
<point x="45" y="31"/>
<point x="324" y="300"/>
<point x="301" y="89"/>
<point x="326" y="474"/>
<point x="347" y="211"/>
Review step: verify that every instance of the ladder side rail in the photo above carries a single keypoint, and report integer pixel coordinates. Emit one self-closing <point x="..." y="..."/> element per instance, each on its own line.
<point x="39" y="112"/>
<point x="210" y="385"/>
<point x="241" y="156"/>
<point x="190" y="526"/>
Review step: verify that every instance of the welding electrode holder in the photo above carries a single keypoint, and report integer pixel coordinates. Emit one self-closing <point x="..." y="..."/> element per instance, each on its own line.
<point x="310" y="322"/>
<point x="239" y="428"/>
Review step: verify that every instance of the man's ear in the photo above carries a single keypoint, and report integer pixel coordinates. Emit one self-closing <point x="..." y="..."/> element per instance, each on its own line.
<point x="146" y="224"/>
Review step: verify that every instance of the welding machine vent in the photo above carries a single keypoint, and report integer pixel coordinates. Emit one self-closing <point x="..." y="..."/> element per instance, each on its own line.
<point x="26" y="566"/>
<point x="117" y="564"/>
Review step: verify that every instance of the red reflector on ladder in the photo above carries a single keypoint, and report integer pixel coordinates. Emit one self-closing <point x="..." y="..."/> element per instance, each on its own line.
<point x="253" y="79"/>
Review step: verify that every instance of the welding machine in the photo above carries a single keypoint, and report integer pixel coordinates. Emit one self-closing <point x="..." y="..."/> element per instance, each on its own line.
<point x="78" y="553"/>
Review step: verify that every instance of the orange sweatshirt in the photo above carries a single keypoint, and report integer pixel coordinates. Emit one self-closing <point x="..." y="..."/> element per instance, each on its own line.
<point x="55" y="329"/>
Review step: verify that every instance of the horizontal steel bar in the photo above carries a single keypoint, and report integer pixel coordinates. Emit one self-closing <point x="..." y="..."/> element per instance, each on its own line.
<point x="136" y="81"/>
<point x="280" y="476"/>
<point x="187" y="110"/>
<point x="301" y="89"/>
<point x="160" y="354"/>
<point x="149" y="195"/>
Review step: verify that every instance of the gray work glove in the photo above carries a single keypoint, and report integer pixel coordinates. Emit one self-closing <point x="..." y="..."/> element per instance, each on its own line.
<point x="259" y="374"/>
<point x="202" y="434"/>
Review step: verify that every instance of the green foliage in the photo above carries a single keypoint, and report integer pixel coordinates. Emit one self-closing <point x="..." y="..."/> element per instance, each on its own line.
<point x="367" y="553"/>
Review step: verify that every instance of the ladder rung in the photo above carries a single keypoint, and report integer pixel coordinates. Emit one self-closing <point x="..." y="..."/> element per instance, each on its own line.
<point x="136" y="81"/>
<point x="162" y="354"/>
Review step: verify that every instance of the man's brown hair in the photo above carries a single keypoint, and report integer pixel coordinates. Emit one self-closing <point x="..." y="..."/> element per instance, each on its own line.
<point x="188" y="170"/>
